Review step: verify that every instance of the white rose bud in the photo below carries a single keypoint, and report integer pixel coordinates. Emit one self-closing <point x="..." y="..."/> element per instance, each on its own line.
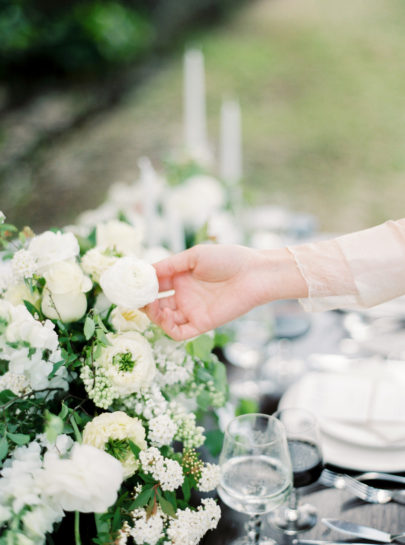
<point x="64" y="293"/>
<point x="130" y="283"/>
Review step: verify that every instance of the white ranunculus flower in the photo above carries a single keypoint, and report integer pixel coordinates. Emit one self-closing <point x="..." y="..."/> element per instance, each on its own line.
<point x="116" y="426"/>
<point x="130" y="283"/>
<point x="88" y="481"/>
<point x="196" y="199"/>
<point x="123" y="319"/>
<point x="63" y="295"/>
<point x="119" y="236"/>
<point x="50" y="248"/>
<point x="127" y="362"/>
<point x="95" y="262"/>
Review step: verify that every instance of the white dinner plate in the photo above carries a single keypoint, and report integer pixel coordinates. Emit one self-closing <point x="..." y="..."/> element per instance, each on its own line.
<point x="348" y="445"/>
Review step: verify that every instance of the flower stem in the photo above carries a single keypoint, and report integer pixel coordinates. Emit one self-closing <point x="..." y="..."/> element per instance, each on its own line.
<point x="78" y="541"/>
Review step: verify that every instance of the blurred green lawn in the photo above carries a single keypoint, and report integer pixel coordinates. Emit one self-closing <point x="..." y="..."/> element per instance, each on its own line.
<point x="322" y="89"/>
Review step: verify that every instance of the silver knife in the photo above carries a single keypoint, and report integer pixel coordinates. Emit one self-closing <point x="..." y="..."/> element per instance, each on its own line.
<point x="364" y="532"/>
<point x="325" y="542"/>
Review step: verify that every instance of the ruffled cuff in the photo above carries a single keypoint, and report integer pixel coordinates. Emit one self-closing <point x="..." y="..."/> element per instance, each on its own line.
<point x="354" y="271"/>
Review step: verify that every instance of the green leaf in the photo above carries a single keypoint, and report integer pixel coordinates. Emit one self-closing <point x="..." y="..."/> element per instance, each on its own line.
<point x="3" y="447"/>
<point x="143" y="497"/>
<point x="63" y="412"/>
<point x="101" y="337"/>
<point x="19" y="438"/>
<point x="89" y="328"/>
<point x="246" y="406"/>
<point x="213" y="441"/>
<point x="135" y="449"/>
<point x="204" y="400"/>
<point x="8" y="227"/>
<point x="171" y="497"/>
<point x="53" y="426"/>
<point x="201" y="347"/>
<point x="221" y="339"/>
<point x="7" y="395"/>
<point x="186" y="489"/>
<point x="166" y="506"/>
<point x="116" y="522"/>
<point x="32" y="309"/>
<point x="55" y="367"/>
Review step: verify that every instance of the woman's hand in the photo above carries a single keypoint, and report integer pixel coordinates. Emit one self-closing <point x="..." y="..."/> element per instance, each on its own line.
<point x="212" y="285"/>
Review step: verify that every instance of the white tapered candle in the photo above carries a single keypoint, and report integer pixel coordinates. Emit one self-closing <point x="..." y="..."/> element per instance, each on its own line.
<point x="150" y="188"/>
<point x="230" y="163"/>
<point x="195" y="130"/>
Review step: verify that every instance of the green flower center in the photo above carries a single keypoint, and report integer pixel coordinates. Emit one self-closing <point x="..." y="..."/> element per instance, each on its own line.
<point x="124" y="362"/>
<point x="118" y="448"/>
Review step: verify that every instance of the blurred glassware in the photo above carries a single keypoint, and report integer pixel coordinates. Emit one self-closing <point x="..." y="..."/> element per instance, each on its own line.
<point x="304" y="444"/>
<point x="280" y="369"/>
<point x="255" y="470"/>
<point x="250" y="335"/>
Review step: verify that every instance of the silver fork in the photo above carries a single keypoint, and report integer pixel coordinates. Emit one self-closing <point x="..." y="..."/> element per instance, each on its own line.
<point x="330" y="478"/>
<point x="371" y="494"/>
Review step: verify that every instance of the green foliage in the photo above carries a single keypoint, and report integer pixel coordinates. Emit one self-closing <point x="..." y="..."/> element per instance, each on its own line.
<point x="201" y="347"/>
<point x="246" y="406"/>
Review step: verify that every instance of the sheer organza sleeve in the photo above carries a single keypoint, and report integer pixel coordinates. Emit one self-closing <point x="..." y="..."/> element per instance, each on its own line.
<point x="354" y="271"/>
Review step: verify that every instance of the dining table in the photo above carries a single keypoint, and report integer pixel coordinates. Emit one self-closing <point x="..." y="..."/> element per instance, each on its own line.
<point x="330" y="503"/>
<point x="326" y="335"/>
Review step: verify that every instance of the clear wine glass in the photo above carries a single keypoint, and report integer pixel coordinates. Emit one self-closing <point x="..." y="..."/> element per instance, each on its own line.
<point x="256" y="472"/>
<point x="304" y="444"/>
<point x="251" y="334"/>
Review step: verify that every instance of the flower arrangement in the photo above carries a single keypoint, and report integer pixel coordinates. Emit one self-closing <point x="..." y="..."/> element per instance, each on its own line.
<point x="98" y="405"/>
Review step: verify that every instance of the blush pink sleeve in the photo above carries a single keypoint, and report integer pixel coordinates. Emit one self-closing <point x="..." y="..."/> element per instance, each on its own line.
<point x="354" y="271"/>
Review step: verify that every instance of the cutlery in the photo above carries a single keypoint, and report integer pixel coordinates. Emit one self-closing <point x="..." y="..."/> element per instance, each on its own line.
<point x="370" y="493"/>
<point x="364" y="532"/>
<point x="325" y="542"/>
<point x="362" y="490"/>
<point x="378" y="476"/>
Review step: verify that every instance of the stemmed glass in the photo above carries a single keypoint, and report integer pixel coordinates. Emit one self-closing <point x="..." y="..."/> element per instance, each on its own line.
<point x="255" y="470"/>
<point x="251" y="334"/>
<point x="303" y="440"/>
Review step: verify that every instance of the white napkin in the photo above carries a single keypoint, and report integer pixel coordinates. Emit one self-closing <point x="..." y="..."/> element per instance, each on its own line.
<point x="366" y="407"/>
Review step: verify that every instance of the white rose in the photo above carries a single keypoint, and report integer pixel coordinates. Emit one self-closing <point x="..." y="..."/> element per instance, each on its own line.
<point x="95" y="262"/>
<point x="119" y="236"/>
<point x="49" y="248"/>
<point x="88" y="481"/>
<point x="66" y="277"/>
<point x="128" y="362"/>
<point x="63" y="295"/>
<point x="67" y="307"/>
<point x="116" y="426"/>
<point x="123" y="319"/>
<point x="130" y="283"/>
